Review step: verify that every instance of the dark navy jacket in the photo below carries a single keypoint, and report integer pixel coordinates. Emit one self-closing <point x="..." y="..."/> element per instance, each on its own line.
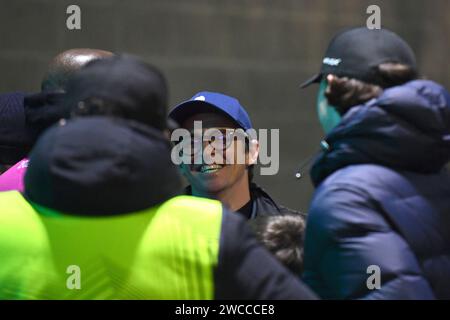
<point x="15" y="141"/>
<point x="383" y="199"/>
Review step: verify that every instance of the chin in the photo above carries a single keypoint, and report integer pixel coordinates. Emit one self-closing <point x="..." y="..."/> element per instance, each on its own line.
<point x="215" y="188"/>
<point x="211" y="185"/>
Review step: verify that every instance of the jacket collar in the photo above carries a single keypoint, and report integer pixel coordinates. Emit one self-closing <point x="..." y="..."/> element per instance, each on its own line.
<point x="262" y="202"/>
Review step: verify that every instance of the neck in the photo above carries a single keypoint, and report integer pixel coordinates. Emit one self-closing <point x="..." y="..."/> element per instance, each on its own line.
<point x="234" y="197"/>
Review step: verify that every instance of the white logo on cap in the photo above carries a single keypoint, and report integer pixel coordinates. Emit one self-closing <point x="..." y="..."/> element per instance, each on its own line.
<point x="200" y="98"/>
<point x="332" y="61"/>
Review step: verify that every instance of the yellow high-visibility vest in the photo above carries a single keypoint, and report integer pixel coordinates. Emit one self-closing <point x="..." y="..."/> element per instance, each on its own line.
<point x="165" y="252"/>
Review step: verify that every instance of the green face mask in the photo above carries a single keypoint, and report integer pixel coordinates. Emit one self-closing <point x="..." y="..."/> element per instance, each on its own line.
<point x="328" y="116"/>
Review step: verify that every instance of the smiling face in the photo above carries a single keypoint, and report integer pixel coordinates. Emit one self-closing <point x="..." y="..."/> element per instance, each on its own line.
<point x="218" y="176"/>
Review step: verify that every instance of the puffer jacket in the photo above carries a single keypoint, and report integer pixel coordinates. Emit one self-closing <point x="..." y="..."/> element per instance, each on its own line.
<point x="383" y="200"/>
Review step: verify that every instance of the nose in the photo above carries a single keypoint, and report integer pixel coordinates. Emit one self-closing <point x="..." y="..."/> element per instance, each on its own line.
<point x="209" y="153"/>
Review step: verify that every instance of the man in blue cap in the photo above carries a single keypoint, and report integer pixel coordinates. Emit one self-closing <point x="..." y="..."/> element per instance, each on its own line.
<point x="228" y="181"/>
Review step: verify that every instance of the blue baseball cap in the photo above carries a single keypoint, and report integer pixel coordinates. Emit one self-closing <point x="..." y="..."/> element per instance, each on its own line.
<point x="212" y="101"/>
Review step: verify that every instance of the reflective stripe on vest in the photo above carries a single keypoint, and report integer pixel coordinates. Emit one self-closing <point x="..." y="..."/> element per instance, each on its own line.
<point x="165" y="252"/>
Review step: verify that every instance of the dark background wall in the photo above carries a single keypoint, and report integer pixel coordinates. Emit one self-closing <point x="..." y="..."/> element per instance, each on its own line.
<point x="256" y="50"/>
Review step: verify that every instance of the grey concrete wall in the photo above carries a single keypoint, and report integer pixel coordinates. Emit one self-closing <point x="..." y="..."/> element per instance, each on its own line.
<point x="256" y="50"/>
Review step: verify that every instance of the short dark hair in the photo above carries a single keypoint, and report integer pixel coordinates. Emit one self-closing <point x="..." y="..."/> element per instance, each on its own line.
<point x="345" y="93"/>
<point x="283" y="236"/>
<point x="250" y="168"/>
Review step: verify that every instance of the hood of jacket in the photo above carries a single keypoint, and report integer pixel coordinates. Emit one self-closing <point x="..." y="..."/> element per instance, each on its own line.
<point x="406" y="128"/>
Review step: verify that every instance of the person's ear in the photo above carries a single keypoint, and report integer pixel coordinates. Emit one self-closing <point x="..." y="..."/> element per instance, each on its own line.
<point x="332" y="81"/>
<point x="253" y="152"/>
